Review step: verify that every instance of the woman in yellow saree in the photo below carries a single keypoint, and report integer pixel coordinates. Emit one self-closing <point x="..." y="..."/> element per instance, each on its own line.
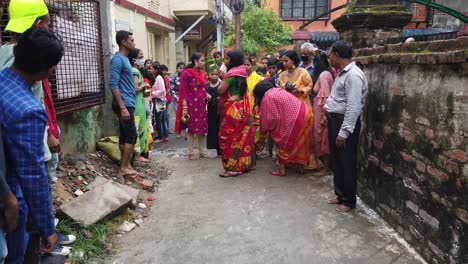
<point x="298" y="82"/>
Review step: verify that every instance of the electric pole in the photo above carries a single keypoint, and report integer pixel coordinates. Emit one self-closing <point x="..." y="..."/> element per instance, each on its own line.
<point x="237" y="6"/>
<point x="219" y="26"/>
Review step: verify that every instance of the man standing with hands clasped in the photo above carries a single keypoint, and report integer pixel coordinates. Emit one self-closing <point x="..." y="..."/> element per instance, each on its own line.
<point x="344" y="107"/>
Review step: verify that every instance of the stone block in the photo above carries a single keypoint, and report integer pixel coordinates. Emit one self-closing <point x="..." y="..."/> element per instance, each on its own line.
<point x="437" y="174"/>
<point x="394" y="91"/>
<point x="385" y="207"/>
<point x="436" y="250"/>
<point x="374" y="160"/>
<point x="147" y="185"/>
<point x="415" y="233"/>
<point x="95" y="205"/>
<point x="429" y="219"/>
<point x="98" y="181"/>
<point x="388" y="130"/>
<point x="452" y="167"/>
<point x="387" y="169"/>
<point x="412" y="206"/>
<point x="408" y="136"/>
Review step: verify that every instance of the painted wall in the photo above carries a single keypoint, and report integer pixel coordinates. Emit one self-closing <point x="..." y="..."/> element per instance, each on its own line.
<point x="414" y="144"/>
<point x="321" y="25"/>
<point x="442" y="20"/>
<point x="191" y="6"/>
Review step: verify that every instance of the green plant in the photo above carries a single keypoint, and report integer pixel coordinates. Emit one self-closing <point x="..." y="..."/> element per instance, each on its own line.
<point x="260" y="28"/>
<point x="94" y="241"/>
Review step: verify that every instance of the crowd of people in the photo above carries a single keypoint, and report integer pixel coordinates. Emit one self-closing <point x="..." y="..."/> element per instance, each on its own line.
<point x="305" y="105"/>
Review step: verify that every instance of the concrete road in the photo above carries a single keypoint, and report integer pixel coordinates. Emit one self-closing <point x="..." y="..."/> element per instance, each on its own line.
<point x="254" y="218"/>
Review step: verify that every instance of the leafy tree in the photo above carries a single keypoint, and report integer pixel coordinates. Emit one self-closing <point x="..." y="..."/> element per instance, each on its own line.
<point x="260" y="27"/>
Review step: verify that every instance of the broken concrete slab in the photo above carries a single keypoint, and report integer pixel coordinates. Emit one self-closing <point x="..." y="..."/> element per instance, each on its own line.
<point x="98" y="181"/>
<point x="100" y="202"/>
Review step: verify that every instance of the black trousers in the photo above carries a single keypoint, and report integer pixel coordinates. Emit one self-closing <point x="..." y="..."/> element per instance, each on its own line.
<point x="343" y="160"/>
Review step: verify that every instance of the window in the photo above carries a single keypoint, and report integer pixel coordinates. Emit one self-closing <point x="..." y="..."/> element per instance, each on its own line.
<point x="78" y="80"/>
<point x="297" y="9"/>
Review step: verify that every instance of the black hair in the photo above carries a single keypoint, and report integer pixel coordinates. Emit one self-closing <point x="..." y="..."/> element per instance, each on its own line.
<point x="253" y="54"/>
<point x="260" y="89"/>
<point x="293" y="56"/>
<point x="342" y="49"/>
<point x="281" y="52"/>
<point x="37" y="50"/>
<point x="164" y="68"/>
<point x="122" y="35"/>
<point x="262" y="69"/>
<point x="217" y="53"/>
<point x="265" y="58"/>
<point x="247" y="58"/>
<point x="148" y="60"/>
<point x="157" y="68"/>
<point x="321" y="64"/>
<point x="180" y="64"/>
<point x="133" y="55"/>
<point x="195" y="56"/>
<point x="273" y="61"/>
<point x="147" y="74"/>
<point x="236" y="58"/>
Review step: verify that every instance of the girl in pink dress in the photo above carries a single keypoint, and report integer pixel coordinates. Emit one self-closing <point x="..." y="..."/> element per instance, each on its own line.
<point x="323" y="82"/>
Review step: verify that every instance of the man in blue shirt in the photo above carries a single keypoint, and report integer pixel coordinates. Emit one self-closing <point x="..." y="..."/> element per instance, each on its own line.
<point x="307" y="62"/>
<point x="123" y="90"/>
<point x="23" y="124"/>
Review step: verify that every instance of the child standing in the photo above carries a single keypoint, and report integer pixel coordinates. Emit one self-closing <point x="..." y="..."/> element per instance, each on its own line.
<point x="212" y="141"/>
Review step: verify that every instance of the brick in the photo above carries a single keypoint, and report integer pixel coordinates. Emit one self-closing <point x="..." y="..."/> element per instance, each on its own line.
<point x="429" y="133"/>
<point x="457" y="154"/>
<point x="458" y="56"/>
<point x="151" y="198"/>
<point x="395" y="91"/>
<point x="147" y="185"/>
<point x="409" y="136"/>
<point x="428" y="219"/>
<point x="462" y="214"/>
<point x="374" y="160"/>
<point x="407" y="157"/>
<point x="436" y="250"/>
<point x="378" y="144"/>
<point x="443" y="58"/>
<point x="407" y="59"/>
<point x="388" y="130"/>
<point x="385" y="207"/>
<point x="387" y="169"/>
<point x="412" y="206"/>
<point x="452" y="167"/>
<point x="420" y="166"/>
<point x="462" y="99"/>
<point x="437" y="174"/>
<point x="408" y="182"/>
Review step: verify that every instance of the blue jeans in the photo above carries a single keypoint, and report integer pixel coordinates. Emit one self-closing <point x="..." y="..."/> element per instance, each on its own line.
<point x="167" y="117"/>
<point x="174" y="104"/>
<point x="3" y="247"/>
<point x="161" y="125"/>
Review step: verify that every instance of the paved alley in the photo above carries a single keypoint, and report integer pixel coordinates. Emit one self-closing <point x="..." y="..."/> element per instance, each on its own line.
<point x="254" y="218"/>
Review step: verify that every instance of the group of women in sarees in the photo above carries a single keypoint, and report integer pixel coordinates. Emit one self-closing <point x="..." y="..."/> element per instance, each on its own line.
<point x="283" y="113"/>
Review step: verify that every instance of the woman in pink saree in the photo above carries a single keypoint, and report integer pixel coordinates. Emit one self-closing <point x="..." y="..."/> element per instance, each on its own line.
<point x="323" y="82"/>
<point x="287" y="119"/>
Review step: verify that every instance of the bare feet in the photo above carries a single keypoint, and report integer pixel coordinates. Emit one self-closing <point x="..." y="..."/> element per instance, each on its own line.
<point x="227" y="174"/>
<point x="192" y="157"/>
<point x="333" y="201"/>
<point x="278" y="173"/>
<point x="343" y="209"/>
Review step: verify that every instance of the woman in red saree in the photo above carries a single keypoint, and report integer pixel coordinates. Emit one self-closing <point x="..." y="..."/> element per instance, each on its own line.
<point x="236" y="129"/>
<point x="287" y="120"/>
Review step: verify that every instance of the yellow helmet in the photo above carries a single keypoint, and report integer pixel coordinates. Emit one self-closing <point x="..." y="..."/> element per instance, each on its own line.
<point x="23" y="14"/>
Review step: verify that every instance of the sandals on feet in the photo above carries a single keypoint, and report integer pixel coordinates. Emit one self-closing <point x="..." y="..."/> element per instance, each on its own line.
<point x="192" y="157"/>
<point x="343" y="209"/>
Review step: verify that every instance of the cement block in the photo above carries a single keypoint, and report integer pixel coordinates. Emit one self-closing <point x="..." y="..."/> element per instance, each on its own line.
<point x="129" y="190"/>
<point x="96" y="204"/>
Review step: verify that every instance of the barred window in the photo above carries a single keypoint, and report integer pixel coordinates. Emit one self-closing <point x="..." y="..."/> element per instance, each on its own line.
<point x="78" y="81"/>
<point x="293" y="9"/>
